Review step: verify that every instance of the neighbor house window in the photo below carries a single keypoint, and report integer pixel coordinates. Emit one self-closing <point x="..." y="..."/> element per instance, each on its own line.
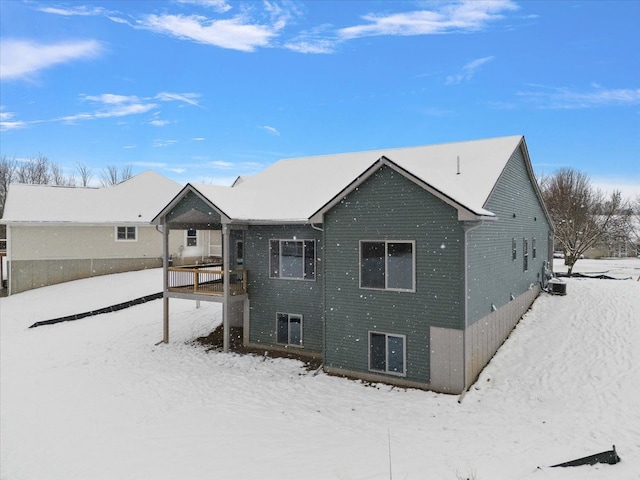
<point x="239" y="252"/>
<point x="292" y="259"/>
<point x="534" y="251"/>
<point x="525" y="254"/>
<point x="387" y="353"/>
<point x="514" y="249"/>
<point x="289" y="329"/>
<point x="126" y="234"/>
<point x="192" y="237"/>
<point x="387" y="265"/>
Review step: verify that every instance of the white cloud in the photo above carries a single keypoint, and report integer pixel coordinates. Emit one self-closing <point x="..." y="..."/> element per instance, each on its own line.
<point x="219" y="164"/>
<point x="218" y="5"/>
<point x="271" y="130"/>
<point x="468" y="71"/>
<point x="117" y="106"/>
<point x="190" y="98"/>
<point x="81" y="10"/>
<point x="21" y="58"/>
<point x="566" y="98"/>
<point x="164" y="143"/>
<point x="235" y="33"/>
<point x="198" y="139"/>
<point x="159" y="123"/>
<point x="313" y="46"/>
<point x="446" y="17"/>
<point x="6" y="122"/>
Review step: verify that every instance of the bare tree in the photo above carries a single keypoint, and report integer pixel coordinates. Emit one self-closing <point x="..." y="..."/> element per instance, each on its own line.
<point x="581" y="215"/>
<point x="112" y="176"/>
<point x="7" y="175"/>
<point x="85" y="174"/>
<point x="34" y="171"/>
<point x="57" y="177"/>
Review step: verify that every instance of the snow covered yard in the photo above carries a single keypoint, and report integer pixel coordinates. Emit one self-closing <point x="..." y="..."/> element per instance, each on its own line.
<point x="95" y="399"/>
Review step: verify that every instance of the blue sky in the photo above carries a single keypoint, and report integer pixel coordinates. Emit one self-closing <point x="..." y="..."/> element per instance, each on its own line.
<point x="205" y="90"/>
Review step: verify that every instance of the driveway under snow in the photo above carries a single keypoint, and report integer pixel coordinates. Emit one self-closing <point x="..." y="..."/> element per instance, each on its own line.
<point x="96" y="399"/>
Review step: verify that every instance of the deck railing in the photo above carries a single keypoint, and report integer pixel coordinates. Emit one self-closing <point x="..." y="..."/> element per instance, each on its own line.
<point x="206" y="280"/>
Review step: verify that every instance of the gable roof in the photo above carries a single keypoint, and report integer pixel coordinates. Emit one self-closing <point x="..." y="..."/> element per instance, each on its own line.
<point x="300" y="189"/>
<point x="135" y="200"/>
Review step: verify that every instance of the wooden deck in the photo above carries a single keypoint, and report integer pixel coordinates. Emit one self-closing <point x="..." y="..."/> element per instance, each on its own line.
<point x="206" y="280"/>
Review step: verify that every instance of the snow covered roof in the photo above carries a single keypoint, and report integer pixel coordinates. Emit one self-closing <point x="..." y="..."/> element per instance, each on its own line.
<point x="295" y="190"/>
<point x="136" y="200"/>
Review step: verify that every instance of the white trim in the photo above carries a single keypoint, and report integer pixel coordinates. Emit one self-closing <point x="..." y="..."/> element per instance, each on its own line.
<point x="126" y="233"/>
<point x="386" y="352"/>
<point x="386" y="266"/>
<point x="289" y="316"/>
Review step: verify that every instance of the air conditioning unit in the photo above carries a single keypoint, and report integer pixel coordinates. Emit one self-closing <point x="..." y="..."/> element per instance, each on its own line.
<point x="557" y="287"/>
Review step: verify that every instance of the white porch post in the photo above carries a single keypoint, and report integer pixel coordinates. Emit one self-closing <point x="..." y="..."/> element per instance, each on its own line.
<point x="225" y="288"/>
<point x="165" y="279"/>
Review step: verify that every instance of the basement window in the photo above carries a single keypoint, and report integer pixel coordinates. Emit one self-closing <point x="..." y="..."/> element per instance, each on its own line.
<point x="289" y="329"/>
<point x="387" y="353"/>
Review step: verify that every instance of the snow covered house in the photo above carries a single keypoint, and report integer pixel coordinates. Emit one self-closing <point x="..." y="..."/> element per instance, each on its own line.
<point x="56" y="234"/>
<point x="408" y="266"/>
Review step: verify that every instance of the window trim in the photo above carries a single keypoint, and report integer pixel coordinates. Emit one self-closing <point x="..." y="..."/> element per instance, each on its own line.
<point x="386" y="352"/>
<point x="126" y="232"/>
<point x="300" y="240"/>
<point x="386" y="265"/>
<point x="525" y="254"/>
<point x="289" y="316"/>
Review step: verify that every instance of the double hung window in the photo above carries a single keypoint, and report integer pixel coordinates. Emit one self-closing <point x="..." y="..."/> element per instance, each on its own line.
<point x="292" y="259"/>
<point x="192" y="237"/>
<point x="289" y="329"/>
<point x="126" y="234"/>
<point x="525" y="254"/>
<point x="387" y="265"/>
<point x="387" y="353"/>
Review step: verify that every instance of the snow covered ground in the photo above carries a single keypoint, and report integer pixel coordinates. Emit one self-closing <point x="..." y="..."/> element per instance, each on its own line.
<point x="96" y="399"/>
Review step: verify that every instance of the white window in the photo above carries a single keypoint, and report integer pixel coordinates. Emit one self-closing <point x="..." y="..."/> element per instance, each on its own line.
<point x="514" y="249"/>
<point x="126" y="234"/>
<point x="289" y="329"/>
<point x="387" y="353"/>
<point x="387" y="265"/>
<point x="192" y="237"/>
<point x="292" y="259"/>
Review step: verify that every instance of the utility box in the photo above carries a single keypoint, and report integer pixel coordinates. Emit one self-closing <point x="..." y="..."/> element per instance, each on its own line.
<point x="557" y="287"/>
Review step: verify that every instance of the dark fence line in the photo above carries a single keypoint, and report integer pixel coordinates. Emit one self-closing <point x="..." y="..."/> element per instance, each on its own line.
<point x="100" y="311"/>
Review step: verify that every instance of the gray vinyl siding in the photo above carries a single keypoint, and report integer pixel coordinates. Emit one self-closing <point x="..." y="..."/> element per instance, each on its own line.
<point x="493" y="275"/>
<point x="269" y="296"/>
<point x="192" y="206"/>
<point x="388" y="206"/>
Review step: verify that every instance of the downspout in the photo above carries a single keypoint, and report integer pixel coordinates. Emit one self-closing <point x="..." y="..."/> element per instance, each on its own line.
<point x="467" y="228"/>
<point x="324" y="298"/>
<point x="9" y="261"/>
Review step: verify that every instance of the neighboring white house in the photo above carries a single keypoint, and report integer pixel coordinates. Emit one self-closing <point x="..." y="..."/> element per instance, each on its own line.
<point x="56" y="234"/>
